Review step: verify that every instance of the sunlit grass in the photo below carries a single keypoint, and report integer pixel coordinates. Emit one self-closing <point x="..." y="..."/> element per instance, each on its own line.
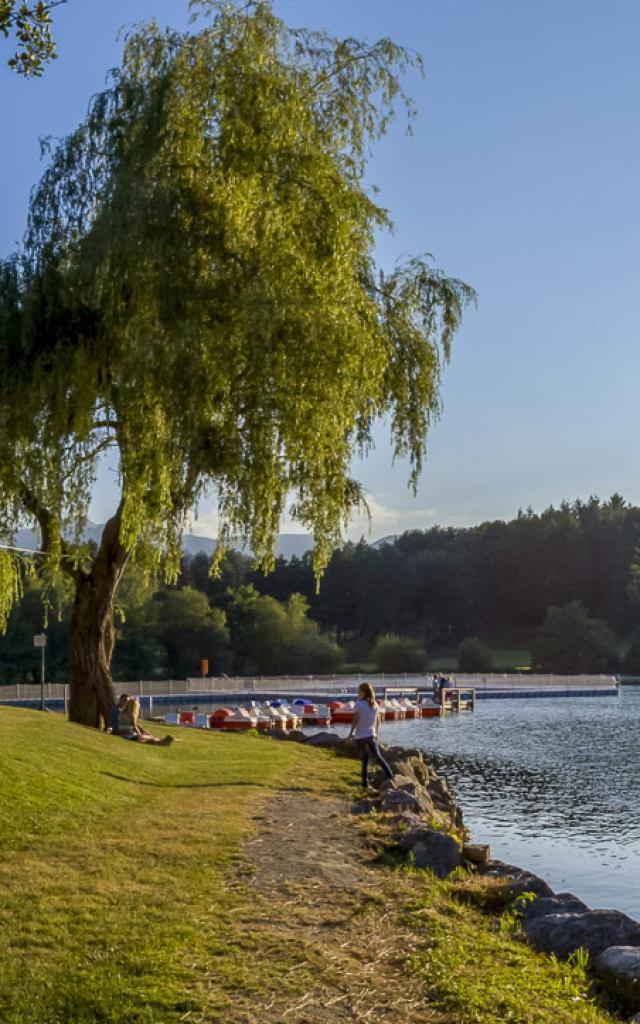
<point x="503" y="659"/>
<point x="116" y="902"/>
<point x="478" y="970"/>
<point x="123" y="879"/>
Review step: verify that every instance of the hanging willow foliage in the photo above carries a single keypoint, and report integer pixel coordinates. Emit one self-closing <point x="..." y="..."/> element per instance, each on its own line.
<point x="198" y="290"/>
<point x="10" y="586"/>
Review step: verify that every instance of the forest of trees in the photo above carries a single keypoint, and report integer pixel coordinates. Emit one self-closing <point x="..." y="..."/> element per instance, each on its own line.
<point x="564" y="583"/>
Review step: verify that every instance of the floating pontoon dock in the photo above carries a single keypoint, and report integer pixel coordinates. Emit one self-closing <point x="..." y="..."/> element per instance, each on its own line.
<point x="319" y="689"/>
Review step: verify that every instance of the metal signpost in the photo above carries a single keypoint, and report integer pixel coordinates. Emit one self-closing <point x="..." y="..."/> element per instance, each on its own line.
<point x="40" y="640"/>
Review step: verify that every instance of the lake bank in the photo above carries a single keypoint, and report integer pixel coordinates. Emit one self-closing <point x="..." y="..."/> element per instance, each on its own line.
<point x="551" y="784"/>
<point x="225" y="876"/>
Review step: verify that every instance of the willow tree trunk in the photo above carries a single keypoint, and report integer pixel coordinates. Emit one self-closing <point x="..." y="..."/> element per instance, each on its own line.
<point x="91" y="634"/>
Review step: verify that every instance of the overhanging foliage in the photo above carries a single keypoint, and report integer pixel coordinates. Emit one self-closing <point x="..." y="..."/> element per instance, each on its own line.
<point x="198" y="289"/>
<point x="30" y="24"/>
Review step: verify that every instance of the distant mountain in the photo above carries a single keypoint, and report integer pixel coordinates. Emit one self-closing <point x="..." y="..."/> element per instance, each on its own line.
<point x="192" y="545"/>
<point x="290" y="545"/>
<point x="31" y="540"/>
<point x="383" y="541"/>
<point x="287" y="544"/>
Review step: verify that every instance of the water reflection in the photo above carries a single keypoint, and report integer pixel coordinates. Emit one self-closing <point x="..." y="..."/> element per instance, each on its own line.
<point x="552" y="784"/>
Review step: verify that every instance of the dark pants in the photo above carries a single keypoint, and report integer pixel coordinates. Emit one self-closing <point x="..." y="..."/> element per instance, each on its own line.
<point x="367" y="748"/>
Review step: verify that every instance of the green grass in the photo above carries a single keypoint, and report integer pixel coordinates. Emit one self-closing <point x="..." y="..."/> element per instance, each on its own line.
<point x="122" y="882"/>
<point x="478" y="970"/>
<point x="115" y="862"/>
<point x="503" y="659"/>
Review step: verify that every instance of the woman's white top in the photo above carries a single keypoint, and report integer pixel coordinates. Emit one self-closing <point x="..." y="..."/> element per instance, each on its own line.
<point x="365" y="720"/>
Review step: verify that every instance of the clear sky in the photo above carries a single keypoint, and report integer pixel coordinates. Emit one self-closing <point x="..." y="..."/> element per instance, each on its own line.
<point x="522" y="177"/>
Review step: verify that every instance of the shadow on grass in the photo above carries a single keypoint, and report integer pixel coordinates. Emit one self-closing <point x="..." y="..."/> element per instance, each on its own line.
<point x="185" y="785"/>
<point x="209" y="785"/>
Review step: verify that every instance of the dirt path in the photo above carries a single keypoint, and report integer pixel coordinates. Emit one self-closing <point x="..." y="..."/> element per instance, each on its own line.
<point x="319" y="893"/>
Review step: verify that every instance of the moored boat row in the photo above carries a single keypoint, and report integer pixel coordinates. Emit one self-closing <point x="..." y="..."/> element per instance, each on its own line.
<point x="391" y="709"/>
<point x="279" y="714"/>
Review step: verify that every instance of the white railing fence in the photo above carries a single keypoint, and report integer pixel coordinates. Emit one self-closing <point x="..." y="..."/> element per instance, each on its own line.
<point x="316" y="684"/>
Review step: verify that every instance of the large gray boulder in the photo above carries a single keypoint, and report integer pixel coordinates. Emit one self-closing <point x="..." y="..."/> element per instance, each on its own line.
<point x="327" y="740"/>
<point x="437" y="851"/>
<point x="561" y="903"/>
<point x="516" y="881"/>
<point x="444" y="801"/>
<point x="400" y="800"/>
<point x="476" y="853"/>
<point x="404" y="785"/>
<point x="296" y="735"/>
<point x="407" y="768"/>
<point x="439" y="789"/>
<point x="395" y="754"/>
<point x="403" y="821"/>
<point x="418" y="833"/>
<point x="619" y="967"/>
<point x="420" y="770"/>
<point x="594" y="930"/>
<point x="346" y="748"/>
<point x="363" y="806"/>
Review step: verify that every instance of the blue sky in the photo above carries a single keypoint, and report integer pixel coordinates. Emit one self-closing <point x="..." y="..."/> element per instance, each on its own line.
<point x="521" y="177"/>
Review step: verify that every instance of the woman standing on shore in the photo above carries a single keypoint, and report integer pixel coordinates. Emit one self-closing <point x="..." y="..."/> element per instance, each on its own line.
<point x="364" y="728"/>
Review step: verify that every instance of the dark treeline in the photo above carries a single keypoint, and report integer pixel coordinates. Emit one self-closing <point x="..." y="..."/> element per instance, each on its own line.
<point x="497" y="581"/>
<point x="500" y="578"/>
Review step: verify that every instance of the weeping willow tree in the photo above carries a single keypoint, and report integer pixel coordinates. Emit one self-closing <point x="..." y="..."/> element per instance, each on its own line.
<point x="198" y="290"/>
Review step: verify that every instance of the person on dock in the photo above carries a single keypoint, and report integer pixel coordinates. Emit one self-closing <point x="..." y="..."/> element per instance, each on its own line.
<point x="443" y="684"/>
<point x="364" y="729"/>
<point x="130" y="729"/>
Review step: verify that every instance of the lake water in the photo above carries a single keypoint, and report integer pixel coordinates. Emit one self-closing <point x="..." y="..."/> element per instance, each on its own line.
<point x="553" y="785"/>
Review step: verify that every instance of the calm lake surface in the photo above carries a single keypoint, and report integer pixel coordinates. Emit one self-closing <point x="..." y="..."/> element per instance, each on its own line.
<point x="552" y="784"/>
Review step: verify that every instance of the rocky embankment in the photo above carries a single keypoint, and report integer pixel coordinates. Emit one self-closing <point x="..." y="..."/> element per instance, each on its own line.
<point x="427" y="827"/>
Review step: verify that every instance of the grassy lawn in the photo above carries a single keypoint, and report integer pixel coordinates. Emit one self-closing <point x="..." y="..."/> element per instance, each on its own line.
<point x="126" y="897"/>
<point x="115" y="861"/>
<point x="503" y="659"/>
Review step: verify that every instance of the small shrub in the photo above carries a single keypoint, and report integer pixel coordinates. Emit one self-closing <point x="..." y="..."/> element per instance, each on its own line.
<point x="399" y="654"/>
<point x="631" y="662"/>
<point x="473" y="656"/>
<point x="569" y="640"/>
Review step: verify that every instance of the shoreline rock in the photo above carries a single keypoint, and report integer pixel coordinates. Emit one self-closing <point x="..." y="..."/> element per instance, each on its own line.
<point x="593" y="930"/>
<point x="619" y="967"/>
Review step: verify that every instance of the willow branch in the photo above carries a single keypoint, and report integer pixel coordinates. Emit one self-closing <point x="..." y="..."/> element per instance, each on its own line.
<point x="45" y="521"/>
<point x="89" y="456"/>
<point x="105" y="425"/>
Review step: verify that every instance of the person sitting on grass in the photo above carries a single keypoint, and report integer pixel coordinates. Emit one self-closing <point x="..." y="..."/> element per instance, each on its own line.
<point x="113" y="721"/>
<point x="130" y="729"/>
<point x="364" y="727"/>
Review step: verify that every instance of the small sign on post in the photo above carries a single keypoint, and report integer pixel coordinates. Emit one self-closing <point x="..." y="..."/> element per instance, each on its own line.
<point x="40" y="640"/>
